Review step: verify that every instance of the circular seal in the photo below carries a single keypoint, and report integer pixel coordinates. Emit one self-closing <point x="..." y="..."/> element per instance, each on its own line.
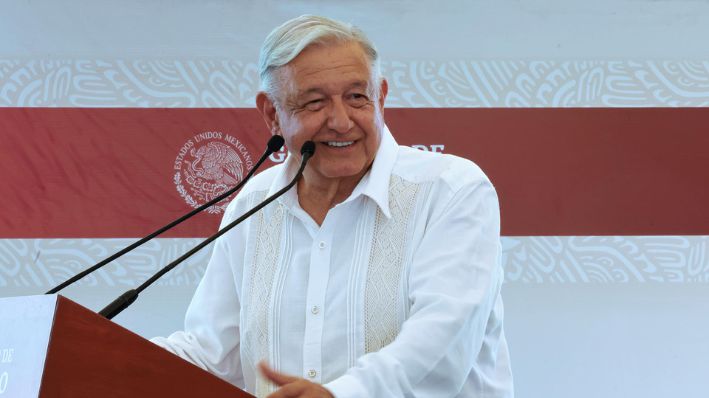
<point x="208" y="165"/>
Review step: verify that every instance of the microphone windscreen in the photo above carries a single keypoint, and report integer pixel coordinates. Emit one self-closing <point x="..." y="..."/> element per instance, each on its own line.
<point x="308" y="147"/>
<point x="275" y="143"/>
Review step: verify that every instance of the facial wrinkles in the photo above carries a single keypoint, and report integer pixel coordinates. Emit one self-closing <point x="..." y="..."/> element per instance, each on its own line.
<point x="328" y="73"/>
<point x="331" y="78"/>
<point x="356" y="96"/>
<point x="291" y="76"/>
<point x="343" y="68"/>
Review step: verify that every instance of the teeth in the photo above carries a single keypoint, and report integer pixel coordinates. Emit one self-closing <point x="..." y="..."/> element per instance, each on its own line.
<point x="340" y="143"/>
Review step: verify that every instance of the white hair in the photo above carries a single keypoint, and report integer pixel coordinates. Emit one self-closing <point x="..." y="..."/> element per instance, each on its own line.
<point x="287" y="41"/>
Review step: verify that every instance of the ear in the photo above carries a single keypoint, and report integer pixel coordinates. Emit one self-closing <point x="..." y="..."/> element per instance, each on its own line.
<point x="383" y="90"/>
<point x="267" y="109"/>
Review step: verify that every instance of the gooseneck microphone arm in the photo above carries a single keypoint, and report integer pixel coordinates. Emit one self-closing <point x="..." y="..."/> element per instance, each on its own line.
<point x="127" y="298"/>
<point x="274" y="144"/>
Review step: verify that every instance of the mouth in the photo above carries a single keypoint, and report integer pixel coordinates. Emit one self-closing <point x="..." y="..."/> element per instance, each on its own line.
<point x="338" y="144"/>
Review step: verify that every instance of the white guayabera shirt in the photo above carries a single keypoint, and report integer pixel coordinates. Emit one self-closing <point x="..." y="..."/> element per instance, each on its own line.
<point x="396" y="294"/>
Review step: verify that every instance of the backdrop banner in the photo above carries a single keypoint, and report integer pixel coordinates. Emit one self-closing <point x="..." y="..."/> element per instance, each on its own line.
<point x="122" y="172"/>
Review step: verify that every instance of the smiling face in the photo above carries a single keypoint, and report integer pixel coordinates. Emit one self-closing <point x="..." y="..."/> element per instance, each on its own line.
<point x="328" y="96"/>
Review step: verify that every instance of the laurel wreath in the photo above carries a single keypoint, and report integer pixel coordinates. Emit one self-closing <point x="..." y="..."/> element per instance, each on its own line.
<point x="190" y="200"/>
<point x="183" y="192"/>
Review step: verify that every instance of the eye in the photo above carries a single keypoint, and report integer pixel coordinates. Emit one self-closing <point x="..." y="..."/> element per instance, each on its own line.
<point x="357" y="99"/>
<point x="314" y="105"/>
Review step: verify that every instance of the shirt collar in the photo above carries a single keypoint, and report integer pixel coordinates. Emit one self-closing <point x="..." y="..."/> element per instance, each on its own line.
<point x="374" y="184"/>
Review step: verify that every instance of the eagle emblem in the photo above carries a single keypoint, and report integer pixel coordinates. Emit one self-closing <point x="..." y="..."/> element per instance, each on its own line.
<point x="207" y="166"/>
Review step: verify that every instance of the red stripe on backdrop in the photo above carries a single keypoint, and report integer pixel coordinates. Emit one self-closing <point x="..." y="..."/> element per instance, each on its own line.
<point x="102" y="173"/>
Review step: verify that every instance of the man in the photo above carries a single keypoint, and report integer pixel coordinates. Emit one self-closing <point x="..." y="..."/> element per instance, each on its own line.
<point x="379" y="275"/>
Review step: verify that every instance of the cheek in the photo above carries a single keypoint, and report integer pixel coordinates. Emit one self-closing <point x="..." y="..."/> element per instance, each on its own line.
<point x="303" y="126"/>
<point x="366" y="115"/>
<point x="367" y="121"/>
<point x="289" y="125"/>
<point x="291" y="130"/>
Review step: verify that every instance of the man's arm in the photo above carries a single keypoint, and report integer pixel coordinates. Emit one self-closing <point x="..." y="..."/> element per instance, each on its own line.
<point x="211" y="336"/>
<point x="454" y="282"/>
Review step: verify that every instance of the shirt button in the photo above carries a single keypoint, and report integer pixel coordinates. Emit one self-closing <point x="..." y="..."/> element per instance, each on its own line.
<point x="312" y="373"/>
<point x="321" y="244"/>
<point x="315" y="310"/>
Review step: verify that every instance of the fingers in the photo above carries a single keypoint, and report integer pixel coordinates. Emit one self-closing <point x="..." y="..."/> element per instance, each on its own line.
<point x="296" y="389"/>
<point x="301" y="389"/>
<point x="276" y="378"/>
<point x="292" y="387"/>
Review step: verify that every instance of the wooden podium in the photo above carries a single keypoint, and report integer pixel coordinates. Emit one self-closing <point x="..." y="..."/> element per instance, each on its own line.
<point x="53" y="347"/>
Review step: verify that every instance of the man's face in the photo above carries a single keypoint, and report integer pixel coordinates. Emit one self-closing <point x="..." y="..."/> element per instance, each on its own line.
<point x="327" y="97"/>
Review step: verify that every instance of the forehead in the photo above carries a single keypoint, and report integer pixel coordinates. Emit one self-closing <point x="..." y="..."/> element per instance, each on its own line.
<point x="325" y="67"/>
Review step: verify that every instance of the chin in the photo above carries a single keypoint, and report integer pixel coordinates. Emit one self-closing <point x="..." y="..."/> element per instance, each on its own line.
<point x="340" y="170"/>
<point x="342" y="173"/>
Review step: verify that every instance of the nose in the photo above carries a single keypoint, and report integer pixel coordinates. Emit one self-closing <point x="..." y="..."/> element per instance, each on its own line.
<point x="339" y="119"/>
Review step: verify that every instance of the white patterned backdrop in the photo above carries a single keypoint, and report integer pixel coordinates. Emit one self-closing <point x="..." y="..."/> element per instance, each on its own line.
<point x="586" y="316"/>
<point x="38" y="264"/>
<point x="457" y="83"/>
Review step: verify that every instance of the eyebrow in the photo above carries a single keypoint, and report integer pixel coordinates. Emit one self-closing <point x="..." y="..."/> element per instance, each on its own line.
<point x="303" y="93"/>
<point x="318" y="90"/>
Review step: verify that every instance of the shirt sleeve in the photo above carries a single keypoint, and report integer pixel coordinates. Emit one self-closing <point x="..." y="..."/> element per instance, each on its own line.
<point x="454" y="282"/>
<point x="210" y="339"/>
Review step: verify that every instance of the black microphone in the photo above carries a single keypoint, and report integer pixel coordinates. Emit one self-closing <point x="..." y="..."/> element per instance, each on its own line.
<point x="274" y="144"/>
<point x="127" y="298"/>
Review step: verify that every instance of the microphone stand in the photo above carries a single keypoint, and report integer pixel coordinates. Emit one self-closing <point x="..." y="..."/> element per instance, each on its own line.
<point x="274" y="144"/>
<point x="127" y="298"/>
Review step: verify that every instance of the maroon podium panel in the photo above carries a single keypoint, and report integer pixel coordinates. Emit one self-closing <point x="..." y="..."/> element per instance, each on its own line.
<point x="53" y="347"/>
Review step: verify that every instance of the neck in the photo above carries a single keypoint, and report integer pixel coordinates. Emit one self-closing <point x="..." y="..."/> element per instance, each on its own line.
<point x="318" y="195"/>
